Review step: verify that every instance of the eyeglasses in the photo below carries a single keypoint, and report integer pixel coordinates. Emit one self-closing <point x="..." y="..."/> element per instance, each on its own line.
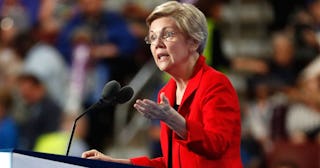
<point x="165" y="35"/>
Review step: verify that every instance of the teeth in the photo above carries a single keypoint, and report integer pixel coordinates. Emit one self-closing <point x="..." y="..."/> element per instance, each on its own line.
<point x="162" y="55"/>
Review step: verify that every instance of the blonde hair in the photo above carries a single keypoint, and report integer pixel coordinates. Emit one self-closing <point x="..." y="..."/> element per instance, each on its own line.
<point x="189" y="19"/>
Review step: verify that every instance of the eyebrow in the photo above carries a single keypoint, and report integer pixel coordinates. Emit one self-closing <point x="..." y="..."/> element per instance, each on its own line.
<point x="164" y="28"/>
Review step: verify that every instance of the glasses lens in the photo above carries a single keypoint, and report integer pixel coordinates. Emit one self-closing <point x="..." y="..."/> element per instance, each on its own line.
<point x="168" y="35"/>
<point x="165" y="35"/>
<point x="151" y="38"/>
<point x="146" y="39"/>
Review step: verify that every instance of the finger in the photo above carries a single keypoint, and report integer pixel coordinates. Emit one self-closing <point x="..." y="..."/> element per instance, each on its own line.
<point x="146" y="106"/>
<point x="89" y="153"/>
<point x="98" y="157"/>
<point x="150" y="103"/>
<point x="93" y="157"/>
<point x="84" y="155"/>
<point x="142" y="103"/>
<point x="145" y="114"/>
<point x="139" y="108"/>
<point x="142" y="111"/>
<point x="163" y="98"/>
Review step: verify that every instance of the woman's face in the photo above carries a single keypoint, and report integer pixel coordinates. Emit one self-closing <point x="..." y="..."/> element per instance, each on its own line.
<point x="169" y="46"/>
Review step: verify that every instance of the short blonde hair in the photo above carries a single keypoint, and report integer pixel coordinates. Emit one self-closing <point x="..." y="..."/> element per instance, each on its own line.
<point x="190" y="20"/>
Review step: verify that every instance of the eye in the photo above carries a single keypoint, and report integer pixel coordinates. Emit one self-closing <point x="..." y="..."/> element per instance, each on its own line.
<point x="168" y="35"/>
<point x="152" y="37"/>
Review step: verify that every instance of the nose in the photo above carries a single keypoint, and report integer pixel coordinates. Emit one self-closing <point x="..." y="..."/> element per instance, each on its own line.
<point x="158" y="42"/>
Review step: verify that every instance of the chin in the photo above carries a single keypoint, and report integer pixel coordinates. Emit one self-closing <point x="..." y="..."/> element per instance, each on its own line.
<point x="162" y="69"/>
<point x="166" y="70"/>
<point x="162" y="66"/>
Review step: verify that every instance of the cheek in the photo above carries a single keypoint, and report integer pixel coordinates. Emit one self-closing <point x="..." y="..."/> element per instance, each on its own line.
<point x="153" y="52"/>
<point x="178" y="49"/>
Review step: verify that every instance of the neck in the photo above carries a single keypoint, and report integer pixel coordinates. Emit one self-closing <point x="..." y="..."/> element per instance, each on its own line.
<point x="182" y="75"/>
<point x="184" y="71"/>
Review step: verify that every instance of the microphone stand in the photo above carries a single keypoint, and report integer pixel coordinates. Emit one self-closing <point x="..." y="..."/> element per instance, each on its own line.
<point x="75" y="122"/>
<point x="122" y="96"/>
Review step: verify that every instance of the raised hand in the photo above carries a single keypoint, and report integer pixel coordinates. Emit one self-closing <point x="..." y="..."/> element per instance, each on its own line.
<point x="162" y="111"/>
<point x="153" y="110"/>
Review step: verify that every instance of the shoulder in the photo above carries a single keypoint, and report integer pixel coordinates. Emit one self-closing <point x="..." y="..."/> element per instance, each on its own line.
<point x="216" y="85"/>
<point x="211" y="76"/>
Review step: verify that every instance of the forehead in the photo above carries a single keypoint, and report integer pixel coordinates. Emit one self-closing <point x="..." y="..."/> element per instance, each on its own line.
<point x="163" y="23"/>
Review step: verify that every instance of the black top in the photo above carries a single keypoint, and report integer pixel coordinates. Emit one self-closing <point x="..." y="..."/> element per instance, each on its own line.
<point x="176" y="106"/>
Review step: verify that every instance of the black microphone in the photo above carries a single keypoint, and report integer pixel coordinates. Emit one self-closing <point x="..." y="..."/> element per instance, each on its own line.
<point x="121" y="96"/>
<point x="111" y="94"/>
<point x="124" y="95"/>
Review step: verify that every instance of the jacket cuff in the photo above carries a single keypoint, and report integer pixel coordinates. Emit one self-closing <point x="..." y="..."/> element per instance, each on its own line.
<point x="141" y="161"/>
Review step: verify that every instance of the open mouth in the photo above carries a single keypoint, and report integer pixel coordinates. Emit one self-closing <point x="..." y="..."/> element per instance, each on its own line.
<point x="163" y="56"/>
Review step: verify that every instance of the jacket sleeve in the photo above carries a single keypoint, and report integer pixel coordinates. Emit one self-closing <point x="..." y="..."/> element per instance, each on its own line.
<point x="219" y="123"/>
<point x="145" y="161"/>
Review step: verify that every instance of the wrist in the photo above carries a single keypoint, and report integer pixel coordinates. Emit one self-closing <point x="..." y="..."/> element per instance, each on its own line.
<point x="178" y="124"/>
<point x="123" y="161"/>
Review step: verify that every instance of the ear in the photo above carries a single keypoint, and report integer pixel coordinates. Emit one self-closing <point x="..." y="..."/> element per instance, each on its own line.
<point x="193" y="45"/>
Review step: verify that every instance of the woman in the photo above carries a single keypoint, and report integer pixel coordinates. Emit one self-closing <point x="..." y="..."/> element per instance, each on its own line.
<point x="198" y="103"/>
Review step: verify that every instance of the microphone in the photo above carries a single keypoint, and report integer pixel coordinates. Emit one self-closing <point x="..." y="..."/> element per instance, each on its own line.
<point x="124" y="95"/>
<point x="109" y="92"/>
<point x="111" y="95"/>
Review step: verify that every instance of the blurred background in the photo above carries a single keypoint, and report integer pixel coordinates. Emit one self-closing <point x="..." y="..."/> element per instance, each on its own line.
<point x="56" y="56"/>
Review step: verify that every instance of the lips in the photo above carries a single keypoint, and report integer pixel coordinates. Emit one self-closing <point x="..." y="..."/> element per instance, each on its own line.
<point x="162" y="56"/>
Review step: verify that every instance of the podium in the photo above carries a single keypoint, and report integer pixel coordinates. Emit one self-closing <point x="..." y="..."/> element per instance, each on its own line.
<point x="14" y="158"/>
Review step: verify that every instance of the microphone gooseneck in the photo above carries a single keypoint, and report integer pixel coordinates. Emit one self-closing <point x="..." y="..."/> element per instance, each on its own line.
<point x="111" y="94"/>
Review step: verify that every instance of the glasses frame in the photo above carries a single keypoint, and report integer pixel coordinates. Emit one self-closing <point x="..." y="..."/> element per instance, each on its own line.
<point x="164" y="35"/>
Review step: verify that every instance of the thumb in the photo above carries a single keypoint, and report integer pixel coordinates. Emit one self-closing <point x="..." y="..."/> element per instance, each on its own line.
<point x="163" y="98"/>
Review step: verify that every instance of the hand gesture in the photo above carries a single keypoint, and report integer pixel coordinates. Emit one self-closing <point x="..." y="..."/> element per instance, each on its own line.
<point x="163" y="111"/>
<point x="153" y="110"/>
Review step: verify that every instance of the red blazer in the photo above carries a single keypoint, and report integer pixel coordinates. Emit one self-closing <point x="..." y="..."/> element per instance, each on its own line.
<point x="211" y="109"/>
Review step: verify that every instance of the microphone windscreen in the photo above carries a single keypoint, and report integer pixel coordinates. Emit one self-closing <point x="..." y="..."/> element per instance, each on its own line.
<point x="110" y="90"/>
<point x="124" y="95"/>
